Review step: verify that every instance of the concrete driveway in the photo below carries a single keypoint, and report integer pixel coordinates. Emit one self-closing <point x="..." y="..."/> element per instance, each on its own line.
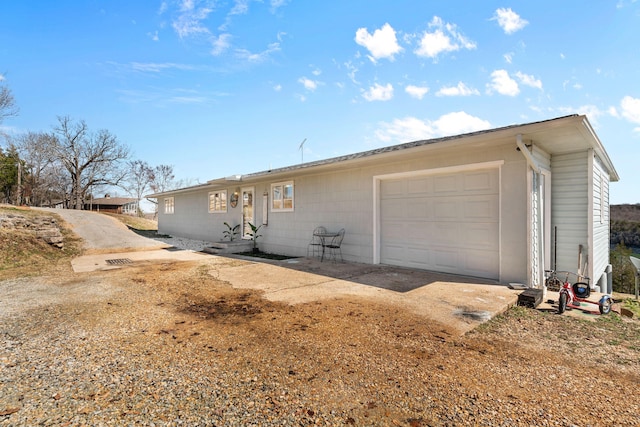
<point x="460" y="303"/>
<point x="102" y="232"/>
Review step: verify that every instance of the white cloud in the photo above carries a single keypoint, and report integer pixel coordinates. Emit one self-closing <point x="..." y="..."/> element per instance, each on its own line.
<point x="308" y="84"/>
<point x="260" y="56"/>
<point x="278" y="3"/>
<point x="1" y="77"/>
<point x="155" y="67"/>
<point x="277" y="87"/>
<point x="631" y="110"/>
<point x="404" y="130"/>
<point x="459" y="90"/>
<point x="529" y="80"/>
<point x="508" y="57"/>
<point x="503" y="84"/>
<point x="416" y="91"/>
<point x="381" y="44"/>
<point x="444" y="38"/>
<point x="351" y="71"/>
<point x="240" y="7"/>
<point x="154" y="36"/>
<point x="164" y="97"/>
<point x="220" y="44"/>
<point x="459" y="122"/>
<point x="378" y="92"/>
<point x="592" y="112"/>
<point x="190" y="19"/>
<point x="509" y="21"/>
<point x="413" y="129"/>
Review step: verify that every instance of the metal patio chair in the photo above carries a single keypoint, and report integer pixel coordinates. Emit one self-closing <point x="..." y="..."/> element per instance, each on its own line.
<point x="315" y="245"/>
<point x="334" y="246"/>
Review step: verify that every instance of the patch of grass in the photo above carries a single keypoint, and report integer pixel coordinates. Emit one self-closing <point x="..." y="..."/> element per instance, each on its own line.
<point x="134" y="222"/>
<point x="142" y="226"/>
<point x="633" y="305"/>
<point x="519" y="312"/>
<point x="152" y="234"/>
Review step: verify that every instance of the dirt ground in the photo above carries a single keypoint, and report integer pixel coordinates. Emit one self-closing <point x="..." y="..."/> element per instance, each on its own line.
<point x="167" y="343"/>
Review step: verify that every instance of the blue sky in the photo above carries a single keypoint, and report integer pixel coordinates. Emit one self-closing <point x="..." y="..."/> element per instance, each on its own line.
<point x="217" y="88"/>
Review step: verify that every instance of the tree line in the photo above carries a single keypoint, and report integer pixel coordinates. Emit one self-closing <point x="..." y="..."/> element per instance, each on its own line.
<point x="70" y="163"/>
<point x="625" y="242"/>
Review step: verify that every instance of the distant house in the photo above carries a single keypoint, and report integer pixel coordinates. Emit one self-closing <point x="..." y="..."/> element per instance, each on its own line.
<point x="503" y="204"/>
<point x="56" y="204"/>
<point x="118" y="205"/>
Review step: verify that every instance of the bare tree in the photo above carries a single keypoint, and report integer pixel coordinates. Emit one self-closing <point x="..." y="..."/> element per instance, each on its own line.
<point x="8" y="106"/>
<point x="162" y="180"/>
<point x="138" y="180"/>
<point x="41" y="171"/>
<point x="90" y="159"/>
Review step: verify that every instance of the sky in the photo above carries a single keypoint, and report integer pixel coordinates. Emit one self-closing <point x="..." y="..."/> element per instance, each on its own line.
<point x="219" y="88"/>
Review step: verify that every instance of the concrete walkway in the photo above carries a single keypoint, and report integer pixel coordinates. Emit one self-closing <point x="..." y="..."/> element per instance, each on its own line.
<point x="460" y="303"/>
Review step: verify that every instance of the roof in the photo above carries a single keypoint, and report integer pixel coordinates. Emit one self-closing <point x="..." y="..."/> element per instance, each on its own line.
<point x="555" y="136"/>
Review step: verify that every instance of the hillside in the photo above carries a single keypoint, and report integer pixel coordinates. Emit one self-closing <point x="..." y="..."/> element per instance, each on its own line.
<point x="625" y="212"/>
<point x="625" y="225"/>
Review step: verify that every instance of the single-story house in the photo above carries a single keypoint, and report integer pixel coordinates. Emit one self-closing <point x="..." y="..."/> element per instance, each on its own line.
<point x="117" y="205"/>
<point x="504" y="204"/>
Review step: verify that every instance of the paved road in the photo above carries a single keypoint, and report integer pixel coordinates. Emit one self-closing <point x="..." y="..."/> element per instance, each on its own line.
<point x="104" y="232"/>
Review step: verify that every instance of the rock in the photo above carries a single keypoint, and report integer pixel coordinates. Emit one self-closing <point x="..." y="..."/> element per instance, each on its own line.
<point x="44" y="227"/>
<point x="626" y="312"/>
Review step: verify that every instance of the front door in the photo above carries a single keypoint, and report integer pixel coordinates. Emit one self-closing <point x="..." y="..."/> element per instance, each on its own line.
<point x="247" y="212"/>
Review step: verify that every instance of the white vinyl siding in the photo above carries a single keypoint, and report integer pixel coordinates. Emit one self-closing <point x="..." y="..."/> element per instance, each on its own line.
<point x="600" y="220"/>
<point x="570" y="207"/>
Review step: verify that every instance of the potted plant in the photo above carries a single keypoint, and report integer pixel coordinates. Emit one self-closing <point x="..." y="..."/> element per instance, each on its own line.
<point x="254" y="236"/>
<point x="231" y="232"/>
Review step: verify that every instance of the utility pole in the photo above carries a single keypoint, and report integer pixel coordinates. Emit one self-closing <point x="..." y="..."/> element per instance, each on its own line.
<point x="19" y="189"/>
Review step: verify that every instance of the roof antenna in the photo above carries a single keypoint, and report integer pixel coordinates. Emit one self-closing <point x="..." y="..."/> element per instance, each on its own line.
<point x="301" y="148"/>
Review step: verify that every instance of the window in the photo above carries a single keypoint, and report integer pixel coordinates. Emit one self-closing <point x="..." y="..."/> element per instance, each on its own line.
<point x="282" y="197"/>
<point x="218" y="201"/>
<point x="169" y="205"/>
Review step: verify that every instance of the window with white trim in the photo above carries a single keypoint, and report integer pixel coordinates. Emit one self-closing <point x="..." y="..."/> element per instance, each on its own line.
<point x="169" y="205"/>
<point x="218" y="201"/>
<point x="282" y="197"/>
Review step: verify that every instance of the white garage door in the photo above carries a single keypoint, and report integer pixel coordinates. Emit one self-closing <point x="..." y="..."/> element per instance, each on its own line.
<point x="446" y="223"/>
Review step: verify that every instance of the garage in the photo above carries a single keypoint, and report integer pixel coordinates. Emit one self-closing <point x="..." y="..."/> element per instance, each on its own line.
<point x="446" y="222"/>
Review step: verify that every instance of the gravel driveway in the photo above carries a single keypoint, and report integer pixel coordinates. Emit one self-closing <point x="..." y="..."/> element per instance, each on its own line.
<point x="174" y="344"/>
